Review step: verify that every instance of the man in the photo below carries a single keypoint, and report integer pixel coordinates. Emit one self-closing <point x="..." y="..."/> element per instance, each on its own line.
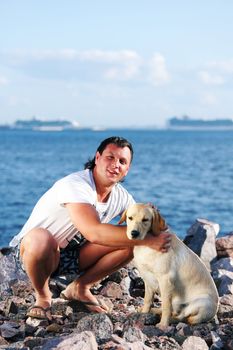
<point x="72" y="218"/>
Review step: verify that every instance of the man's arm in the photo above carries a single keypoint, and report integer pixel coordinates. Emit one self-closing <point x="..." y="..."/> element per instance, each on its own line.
<point x="85" y="218"/>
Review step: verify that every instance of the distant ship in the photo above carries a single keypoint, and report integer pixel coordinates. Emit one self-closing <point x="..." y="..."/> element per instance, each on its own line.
<point x="5" y="126"/>
<point x="98" y="128"/>
<point x="187" y="123"/>
<point x="45" y="125"/>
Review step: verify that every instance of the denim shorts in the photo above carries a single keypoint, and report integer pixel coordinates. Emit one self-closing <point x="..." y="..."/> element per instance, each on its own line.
<point x="69" y="258"/>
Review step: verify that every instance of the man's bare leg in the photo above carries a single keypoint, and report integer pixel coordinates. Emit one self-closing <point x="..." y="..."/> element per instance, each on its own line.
<point x="40" y="256"/>
<point x="97" y="262"/>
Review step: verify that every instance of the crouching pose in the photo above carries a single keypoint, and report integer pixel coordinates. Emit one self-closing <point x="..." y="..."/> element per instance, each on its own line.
<point x="68" y="230"/>
<point x="187" y="290"/>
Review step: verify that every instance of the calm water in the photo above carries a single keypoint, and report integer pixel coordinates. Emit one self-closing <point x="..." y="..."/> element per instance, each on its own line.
<point x="187" y="174"/>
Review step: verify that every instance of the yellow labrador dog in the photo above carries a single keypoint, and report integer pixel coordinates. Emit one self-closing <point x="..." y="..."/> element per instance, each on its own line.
<point x="187" y="290"/>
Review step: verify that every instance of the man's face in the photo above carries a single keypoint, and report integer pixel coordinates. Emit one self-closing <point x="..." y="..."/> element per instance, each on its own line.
<point x="113" y="164"/>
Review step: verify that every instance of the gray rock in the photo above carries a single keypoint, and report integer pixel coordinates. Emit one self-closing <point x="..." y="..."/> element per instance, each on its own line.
<point x="125" y="285"/>
<point x="11" y="307"/>
<point x="229" y="345"/>
<point x="226" y="307"/>
<point x="84" y="340"/>
<point x="201" y="237"/>
<point x="222" y="267"/>
<point x="224" y="245"/>
<point x="225" y="286"/>
<point x="9" y="271"/>
<point x="8" y="330"/>
<point x="217" y="342"/>
<point x="138" y="346"/>
<point x="118" y="343"/>
<point x="36" y="322"/>
<point x="99" y="324"/>
<point x="3" y="342"/>
<point x="194" y="343"/>
<point x="112" y="290"/>
<point x="133" y="334"/>
<point x="183" y="329"/>
<point x="222" y="272"/>
<point x="164" y="342"/>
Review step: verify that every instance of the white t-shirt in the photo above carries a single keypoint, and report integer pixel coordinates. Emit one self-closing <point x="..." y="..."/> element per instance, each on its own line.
<point x="50" y="212"/>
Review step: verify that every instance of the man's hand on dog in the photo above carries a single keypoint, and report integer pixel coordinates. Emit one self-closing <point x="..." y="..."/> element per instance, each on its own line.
<point x="160" y="242"/>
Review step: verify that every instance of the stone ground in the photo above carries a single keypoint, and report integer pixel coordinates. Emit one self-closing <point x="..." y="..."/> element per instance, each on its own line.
<point x="73" y="327"/>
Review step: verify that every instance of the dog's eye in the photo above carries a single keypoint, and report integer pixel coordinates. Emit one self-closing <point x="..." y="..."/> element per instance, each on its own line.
<point x="144" y="220"/>
<point x="130" y="218"/>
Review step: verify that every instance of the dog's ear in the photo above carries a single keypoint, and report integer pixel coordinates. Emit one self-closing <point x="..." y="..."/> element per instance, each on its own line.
<point x="158" y="223"/>
<point x="123" y="217"/>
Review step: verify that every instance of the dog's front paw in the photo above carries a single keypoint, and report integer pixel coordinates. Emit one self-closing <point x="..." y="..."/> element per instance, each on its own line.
<point x="143" y="309"/>
<point x="162" y="326"/>
<point x="156" y="310"/>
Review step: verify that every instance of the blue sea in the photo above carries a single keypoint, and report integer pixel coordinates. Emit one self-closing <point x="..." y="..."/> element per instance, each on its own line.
<point x="187" y="174"/>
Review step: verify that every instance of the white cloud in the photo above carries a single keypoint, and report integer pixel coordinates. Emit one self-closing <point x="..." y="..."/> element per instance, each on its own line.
<point x="224" y="66"/>
<point x="19" y="56"/>
<point x="122" y="56"/>
<point x="125" y="65"/>
<point x="216" y="72"/>
<point x="158" y="71"/>
<point x="113" y="65"/>
<point x="211" y="79"/>
<point x="209" y="99"/>
<point x="126" y="71"/>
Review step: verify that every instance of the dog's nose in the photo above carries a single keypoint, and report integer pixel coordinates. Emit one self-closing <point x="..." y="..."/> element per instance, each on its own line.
<point x="135" y="233"/>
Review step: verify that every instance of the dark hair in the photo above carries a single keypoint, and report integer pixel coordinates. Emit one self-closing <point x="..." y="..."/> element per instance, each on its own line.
<point x="116" y="140"/>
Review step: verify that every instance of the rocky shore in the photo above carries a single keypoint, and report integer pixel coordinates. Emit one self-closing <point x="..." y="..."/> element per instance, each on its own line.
<point x="73" y="327"/>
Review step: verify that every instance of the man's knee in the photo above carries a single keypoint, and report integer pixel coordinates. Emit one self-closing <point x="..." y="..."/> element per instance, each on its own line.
<point x="129" y="253"/>
<point x="38" y="241"/>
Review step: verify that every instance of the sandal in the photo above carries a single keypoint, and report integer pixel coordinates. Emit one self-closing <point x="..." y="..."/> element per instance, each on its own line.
<point x="44" y="314"/>
<point x="87" y="304"/>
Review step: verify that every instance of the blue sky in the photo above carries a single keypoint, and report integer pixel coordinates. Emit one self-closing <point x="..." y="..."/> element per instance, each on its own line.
<point x="116" y="63"/>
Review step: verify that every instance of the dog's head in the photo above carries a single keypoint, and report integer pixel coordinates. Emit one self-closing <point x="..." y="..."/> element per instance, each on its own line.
<point x="141" y="219"/>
